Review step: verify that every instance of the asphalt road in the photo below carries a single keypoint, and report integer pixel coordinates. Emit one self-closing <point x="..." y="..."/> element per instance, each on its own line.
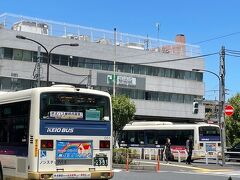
<point x="179" y="171"/>
<point x="170" y="175"/>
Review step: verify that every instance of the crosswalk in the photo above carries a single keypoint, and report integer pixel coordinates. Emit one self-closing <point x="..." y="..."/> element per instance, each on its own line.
<point x="226" y="174"/>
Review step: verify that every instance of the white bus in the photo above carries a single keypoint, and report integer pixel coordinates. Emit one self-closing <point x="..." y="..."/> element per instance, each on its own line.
<point x="153" y="134"/>
<point x="58" y="132"/>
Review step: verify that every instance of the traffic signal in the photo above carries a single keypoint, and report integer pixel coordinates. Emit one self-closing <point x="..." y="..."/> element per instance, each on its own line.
<point x="195" y="108"/>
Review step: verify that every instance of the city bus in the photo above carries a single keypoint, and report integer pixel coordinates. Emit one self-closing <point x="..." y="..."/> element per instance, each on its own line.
<point x="57" y="132"/>
<point x="153" y="134"/>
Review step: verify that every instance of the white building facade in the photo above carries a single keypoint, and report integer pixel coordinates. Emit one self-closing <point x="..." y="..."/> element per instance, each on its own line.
<point x="156" y="74"/>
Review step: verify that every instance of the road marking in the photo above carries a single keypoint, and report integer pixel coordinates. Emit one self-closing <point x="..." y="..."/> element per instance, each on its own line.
<point x="214" y="170"/>
<point x="117" y="170"/>
<point x="197" y="169"/>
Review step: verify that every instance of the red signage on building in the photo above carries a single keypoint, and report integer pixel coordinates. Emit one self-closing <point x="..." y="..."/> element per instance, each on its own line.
<point x="229" y="110"/>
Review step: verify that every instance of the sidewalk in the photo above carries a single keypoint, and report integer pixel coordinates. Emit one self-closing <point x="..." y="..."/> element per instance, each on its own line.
<point x="199" y="165"/>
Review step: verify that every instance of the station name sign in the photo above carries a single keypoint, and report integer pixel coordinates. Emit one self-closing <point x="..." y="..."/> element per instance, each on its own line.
<point x="122" y="80"/>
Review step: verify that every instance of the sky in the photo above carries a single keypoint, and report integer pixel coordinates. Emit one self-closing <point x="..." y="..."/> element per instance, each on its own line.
<point x="198" y="20"/>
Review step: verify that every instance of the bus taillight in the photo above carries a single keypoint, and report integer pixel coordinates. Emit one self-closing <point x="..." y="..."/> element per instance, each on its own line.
<point x="46" y="144"/>
<point x="104" y="144"/>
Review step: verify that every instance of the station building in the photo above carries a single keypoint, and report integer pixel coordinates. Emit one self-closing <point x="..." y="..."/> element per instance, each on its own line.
<point x="156" y="74"/>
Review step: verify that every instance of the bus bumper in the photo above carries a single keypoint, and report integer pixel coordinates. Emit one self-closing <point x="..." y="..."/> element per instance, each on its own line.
<point x="72" y="175"/>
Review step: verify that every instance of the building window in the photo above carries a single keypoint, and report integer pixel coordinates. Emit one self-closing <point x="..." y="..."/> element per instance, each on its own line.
<point x="17" y="54"/>
<point x="55" y="59"/>
<point x="199" y="76"/>
<point x="96" y="64"/>
<point x="81" y="62"/>
<point x="27" y="56"/>
<point x="105" y="65"/>
<point x="89" y="63"/>
<point x="8" y="53"/>
<point x="44" y="58"/>
<point x="193" y="75"/>
<point x="167" y="73"/>
<point x="73" y="61"/>
<point x="155" y="71"/>
<point x="127" y="68"/>
<point x="187" y="75"/>
<point x="136" y="69"/>
<point x="64" y="60"/>
<point x="34" y="56"/>
<point x="119" y="67"/>
<point x="142" y="69"/>
<point x="1" y="53"/>
<point x="149" y="70"/>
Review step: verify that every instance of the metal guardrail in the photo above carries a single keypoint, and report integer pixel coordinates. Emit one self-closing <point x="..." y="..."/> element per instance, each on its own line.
<point x="231" y="158"/>
<point x="71" y="31"/>
<point x="180" y="155"/>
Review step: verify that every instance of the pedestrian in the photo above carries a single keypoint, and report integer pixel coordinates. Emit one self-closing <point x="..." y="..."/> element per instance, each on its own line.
<point x="167" y="150"/>
<point x="189" y="148"/>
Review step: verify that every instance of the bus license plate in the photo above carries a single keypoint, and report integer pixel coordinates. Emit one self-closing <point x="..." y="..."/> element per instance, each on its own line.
<point x="100" y="161"/>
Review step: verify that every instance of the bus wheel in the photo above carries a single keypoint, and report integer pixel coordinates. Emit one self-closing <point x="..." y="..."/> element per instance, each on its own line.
<point x="1" y="172"/>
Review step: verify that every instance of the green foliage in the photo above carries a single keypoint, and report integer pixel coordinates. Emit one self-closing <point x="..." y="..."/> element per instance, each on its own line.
<point x="123" y="112"/>
<point x="233" y="122"/>
<point x="120" y="155"/>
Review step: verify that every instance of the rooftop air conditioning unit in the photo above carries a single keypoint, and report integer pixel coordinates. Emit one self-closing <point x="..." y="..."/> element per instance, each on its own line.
<point x="31" y="27"/>
<point x="135" y="46"/>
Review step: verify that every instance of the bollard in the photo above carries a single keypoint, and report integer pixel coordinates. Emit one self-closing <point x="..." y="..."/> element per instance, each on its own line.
<point x="127" y="163"/>
<point x="179" y="156"/>
<point x="158" y="164"/>
<point x="206" y="158"/>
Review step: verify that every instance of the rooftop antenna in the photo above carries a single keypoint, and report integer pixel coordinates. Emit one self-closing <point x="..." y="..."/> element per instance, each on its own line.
<point x="158" y="29"/>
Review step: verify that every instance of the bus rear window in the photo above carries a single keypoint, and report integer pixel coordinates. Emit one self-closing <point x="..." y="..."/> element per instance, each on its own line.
<point x="74" y="106"/>
<point x="209" y="133"/>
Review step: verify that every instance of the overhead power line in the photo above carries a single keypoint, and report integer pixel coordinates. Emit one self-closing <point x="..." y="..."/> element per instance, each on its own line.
<point x="179" y="59"/>
<point x="217" y="37"/>
<point x="233" y="53"/>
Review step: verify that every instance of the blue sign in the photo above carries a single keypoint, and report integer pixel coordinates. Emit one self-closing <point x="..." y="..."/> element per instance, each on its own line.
<point x="43" y="154"/>
<point x="74" y="150"/>
<point x="76" y="128"/>
<point x="211" y="147"/>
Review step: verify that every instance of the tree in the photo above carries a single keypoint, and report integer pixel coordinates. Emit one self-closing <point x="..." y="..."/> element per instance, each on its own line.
<point x="123" y="112"/>
<point x="233" y="122"/>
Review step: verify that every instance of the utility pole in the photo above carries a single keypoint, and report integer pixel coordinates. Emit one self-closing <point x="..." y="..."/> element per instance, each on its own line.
<point x="39" y="66"/>
<point x="114" y="62"/>
<point x="222" y="102"/>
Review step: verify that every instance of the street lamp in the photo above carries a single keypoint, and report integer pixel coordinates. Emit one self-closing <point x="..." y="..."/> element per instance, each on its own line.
<point x="48" y="52"/>
<point x="220" y="111"/>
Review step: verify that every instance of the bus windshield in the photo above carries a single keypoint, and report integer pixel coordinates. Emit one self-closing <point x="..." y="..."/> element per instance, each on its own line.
<point x="208" y="133"/>
<point x="74" y="106"/>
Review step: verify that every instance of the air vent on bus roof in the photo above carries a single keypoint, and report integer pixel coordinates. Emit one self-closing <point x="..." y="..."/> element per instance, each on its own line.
<point x="150" y="123"/>
<point x="63" y="85"/>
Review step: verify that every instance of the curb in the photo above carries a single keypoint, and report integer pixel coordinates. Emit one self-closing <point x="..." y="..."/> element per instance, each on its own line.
<point x="135" y="167"/>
